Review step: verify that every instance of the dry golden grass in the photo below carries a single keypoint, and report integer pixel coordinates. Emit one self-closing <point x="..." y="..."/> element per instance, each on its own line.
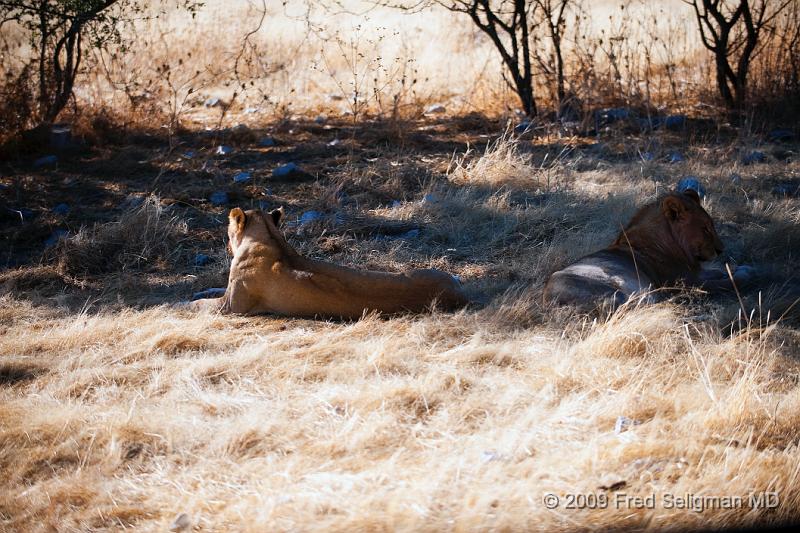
<point x="123" y="415"/>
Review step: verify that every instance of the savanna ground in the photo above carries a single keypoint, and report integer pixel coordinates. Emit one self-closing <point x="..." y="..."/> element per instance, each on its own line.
<point x="120" y="410"/>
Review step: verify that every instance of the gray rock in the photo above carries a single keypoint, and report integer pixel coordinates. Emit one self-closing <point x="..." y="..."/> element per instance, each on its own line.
<point x="182" y="522"/>
<point x="242" y="177"/>
<point x="781" y="134"/>
<point x="46" y="161"/>
<point x="212" y="102"/>
<point x="310" y="216"/>
<point x="201" y="260"/>
<point x="691" y="183"/>
<point x="522" y="127"/>
<point x="223" y="150"/>
<point x="410" y="234"/>
<point x="675" y="157"/>
<point x="787" y="190"/>
<point x="209" y="293"/>
<point x="675" y="122"/>
<point x="60" y="136"/>
<point x="435" y="109"/>
<point x="284" y="170"/>
<point x="56" y="236"/>
<point x="754" y="157"/>
<point x="624" y="423"/>
<point x="429" y="198"/>
<point x="219" y="198"/>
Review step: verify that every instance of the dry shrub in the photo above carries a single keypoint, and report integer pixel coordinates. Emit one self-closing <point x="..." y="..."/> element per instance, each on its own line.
<point x="141" y="238"/>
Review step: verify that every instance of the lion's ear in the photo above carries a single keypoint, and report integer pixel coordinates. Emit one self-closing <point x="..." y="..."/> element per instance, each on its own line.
<point x="692" y="195"/>
<point x="277" y="216"/>
<point x="672" y="207"/>
<point x="237" y="219"/>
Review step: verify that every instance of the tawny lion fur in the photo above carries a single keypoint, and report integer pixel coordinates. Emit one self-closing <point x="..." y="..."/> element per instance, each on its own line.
<point x="268" y="276"/>
<point x="663" y="245"/>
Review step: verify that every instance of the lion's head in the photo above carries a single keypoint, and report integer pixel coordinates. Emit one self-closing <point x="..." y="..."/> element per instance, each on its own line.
<point x="691" y="226"/>
<point x="259" y="226"/>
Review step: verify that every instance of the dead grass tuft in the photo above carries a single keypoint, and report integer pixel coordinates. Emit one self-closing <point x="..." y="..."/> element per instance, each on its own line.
<point x="145" y="237"/>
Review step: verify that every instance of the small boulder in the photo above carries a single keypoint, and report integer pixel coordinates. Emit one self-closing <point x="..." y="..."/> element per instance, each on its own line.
<point x="201" y="260"/>
<point x="212" y="102"/>
<point x="691" y="183"/>
<point x="182" y="522"/>
<point x="429" y="198"/>
<point x="242" y="177"/>
<point x="754" y="157"/>
<point x="284" y="170"/>
<point x="46" y="161"/>
<point x="266" y="142"/>
<point x="310" y="216"/>
<point x="522" y="127"/>
<point x="675" y="157"/>
<point x="435" y="109"/>
<point x="209" y="293"/>
<point x="219" y="198"/>
<point x="61" y="209"/>
<point x="780" y="134"/>
<point x="623" y="424"/>
<point x="675" y="122"/>
<point x="410" y="234"/>
<point x="787" y="190"/>
<point x="56" y="236"/>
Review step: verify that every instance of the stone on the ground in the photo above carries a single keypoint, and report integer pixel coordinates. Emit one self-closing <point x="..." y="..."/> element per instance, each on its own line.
<point x="61" y="209"/>
<point x="201" y="260"/>
<point x="54" y="237"/>
<point x="212" y="102"/>
<point x="45" y="161"/>
<point x="675" y="157"/>
<point x="182" y="522"/>
<point x="691" y="183"/>
<point x="675" y="122"/>
<point x="429" y="198"/>
<point x="60" y="136"/>
<point x="780" y="134"/>
<point x="334" y="142"/>
<point x="284" y="170"/>
<point x="310" y="216"/>
<point x="410" y="234"/>
<point x="787" y="189"/>
<point x="435" y="109"/>
<point x="241" y="177"/>
<point x="614" y="114"/>
<point x="250" y="110"/>
<point x="223" y="150"/>
<point x="754" y="157"/>
<point x="522" y="127"/>
<point x="624" y="423"/>
<point x="219" y="198"/>
<point x="209" y="293"/>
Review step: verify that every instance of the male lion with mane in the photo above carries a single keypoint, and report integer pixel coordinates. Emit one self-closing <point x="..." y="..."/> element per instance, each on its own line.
<point x="663" y="245"/>
<point x="268" y="276"/>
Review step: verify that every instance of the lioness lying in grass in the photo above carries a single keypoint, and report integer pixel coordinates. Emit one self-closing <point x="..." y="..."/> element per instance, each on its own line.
<point x="268" y="276"/>
<point x="663" y="245"/>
